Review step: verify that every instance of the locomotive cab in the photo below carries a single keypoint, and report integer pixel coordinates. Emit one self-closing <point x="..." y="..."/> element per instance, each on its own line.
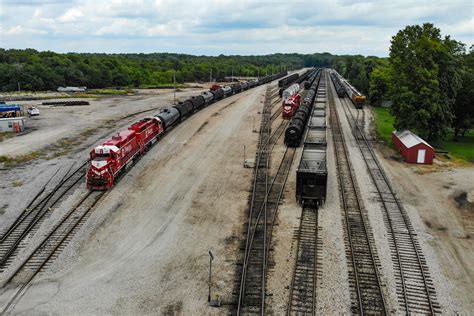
<point x="99" y="173"/>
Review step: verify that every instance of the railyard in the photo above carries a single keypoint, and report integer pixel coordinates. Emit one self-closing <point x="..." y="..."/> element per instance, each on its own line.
<point x="142" y="246"/>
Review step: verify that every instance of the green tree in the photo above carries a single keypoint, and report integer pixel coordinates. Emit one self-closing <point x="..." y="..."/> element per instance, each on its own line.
<point x="423" y="93"/>
<point x="464" y="104"/>
<point x="380" y="83"/>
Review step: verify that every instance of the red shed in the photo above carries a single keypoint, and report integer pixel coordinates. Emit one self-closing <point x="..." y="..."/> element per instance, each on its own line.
<point x="413" y="148"/>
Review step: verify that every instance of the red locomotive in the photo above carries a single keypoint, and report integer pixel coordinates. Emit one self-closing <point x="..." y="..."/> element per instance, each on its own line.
<point x="290" y="106"/>
<point x="111" y="158"/>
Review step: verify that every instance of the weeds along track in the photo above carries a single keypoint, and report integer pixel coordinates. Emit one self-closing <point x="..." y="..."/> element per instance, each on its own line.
<point x="415" y="291"/>
<point x="30" y="219"/>
<point x="364" y="278"/>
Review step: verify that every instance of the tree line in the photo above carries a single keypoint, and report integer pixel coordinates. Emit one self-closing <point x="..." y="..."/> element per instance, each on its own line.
<point x="37" y="71"/>
<point x="428" y="79"/>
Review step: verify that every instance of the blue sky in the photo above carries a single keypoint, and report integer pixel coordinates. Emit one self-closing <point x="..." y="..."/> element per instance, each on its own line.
<point x="224" y="27"/>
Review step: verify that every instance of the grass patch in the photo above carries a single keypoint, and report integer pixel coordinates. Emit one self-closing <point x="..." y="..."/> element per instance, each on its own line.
<point x="384" y="124"/>
<point x="9" y="161"/>
<point x="6" y="135"/>
<point x="109" y="91"/>
<point x="462" y="149"/>
<point x="163" y="86"/>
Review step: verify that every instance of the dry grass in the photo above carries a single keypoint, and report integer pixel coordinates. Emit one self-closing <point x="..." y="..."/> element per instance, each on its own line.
<point x="17" y="183"/>
<point x="9" y="161"/>
<point x="6" y="135"/>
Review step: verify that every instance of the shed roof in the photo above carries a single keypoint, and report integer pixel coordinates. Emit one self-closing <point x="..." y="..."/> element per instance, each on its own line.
<point x="409" y="139"/>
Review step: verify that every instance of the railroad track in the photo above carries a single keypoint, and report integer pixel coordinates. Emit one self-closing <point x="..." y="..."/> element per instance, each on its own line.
<point x="51" y="245"/>
<point x="31" y="218"/>
<point x="364" y="278"/>
<point x="253" y="283"/>
<point x="302" y="299"/>
<point x="262" y="214"/>
<point x="415" y="291"/>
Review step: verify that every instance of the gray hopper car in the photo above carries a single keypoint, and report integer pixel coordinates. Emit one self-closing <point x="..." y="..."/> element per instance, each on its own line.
<point x="317" y="122"/>
<point x="311" y="177"/>
<point x="315" y="138"/>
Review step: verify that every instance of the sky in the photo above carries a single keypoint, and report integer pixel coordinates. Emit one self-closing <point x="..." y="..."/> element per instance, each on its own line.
<point x="228" y="27"/>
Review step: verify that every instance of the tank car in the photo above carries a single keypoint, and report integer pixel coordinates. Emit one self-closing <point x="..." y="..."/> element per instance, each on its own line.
<point x="218" y="94"/>
<point x="227" y="91"/>
<point x="295" y="130"/>
<point x="198" y="102"/>
<point x="185" y="109"/>
<point x="208" y="97"/>
<point x="236" y="88"/>
<point x="168" y="117"/>
<point x="290" y="91"/>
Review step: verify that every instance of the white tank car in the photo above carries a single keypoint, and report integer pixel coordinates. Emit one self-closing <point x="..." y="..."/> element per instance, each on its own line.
<point x="294" y="88"/>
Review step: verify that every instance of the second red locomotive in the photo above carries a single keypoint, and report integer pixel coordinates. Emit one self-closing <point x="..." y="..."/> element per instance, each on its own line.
<point x="290" y="106"/>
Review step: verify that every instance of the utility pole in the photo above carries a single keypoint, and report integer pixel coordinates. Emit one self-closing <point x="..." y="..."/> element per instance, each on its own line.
<point x="211" y="257"/>
<point x="232" y="76"/>
<point x="258" y="73"/>
<point x="174" y="90"/>
<point x="19" y="86"/>
<point x="210" y="76"/>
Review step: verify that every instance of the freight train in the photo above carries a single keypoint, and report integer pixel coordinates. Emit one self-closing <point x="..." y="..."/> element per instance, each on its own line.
<point x="309" y="124"/>
<point x="287" y="80"/>
<point x="296" y="80"/>
<point x="342" y="85"/>
<point x="311" y="175"/>
<point x="295" y="129"/>
<point x="109" y="160"/>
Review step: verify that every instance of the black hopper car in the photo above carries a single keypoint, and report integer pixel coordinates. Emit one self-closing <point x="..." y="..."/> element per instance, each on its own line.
<point x="287" y="80"/>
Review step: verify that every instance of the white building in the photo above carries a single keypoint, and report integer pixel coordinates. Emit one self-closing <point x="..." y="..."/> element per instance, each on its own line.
<point x="12" y="124"/>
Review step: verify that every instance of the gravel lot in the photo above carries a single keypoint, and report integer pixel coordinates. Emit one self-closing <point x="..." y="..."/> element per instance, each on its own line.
<point x="145" y="248"/>
<point x="60" y="122"/>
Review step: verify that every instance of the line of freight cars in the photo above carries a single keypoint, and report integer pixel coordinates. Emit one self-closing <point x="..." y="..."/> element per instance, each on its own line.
<point x="110" y="159"/>
<point x="294" y="79"/>
<point x="291" y="95"/>
<point x="309" y="124"/>
<point x="343" y="88"/>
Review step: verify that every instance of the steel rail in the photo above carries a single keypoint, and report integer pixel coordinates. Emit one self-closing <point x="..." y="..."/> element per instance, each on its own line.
<point x="337" y="128"/>
<point x="43" y="244"/>
<point x="390" y="221"/>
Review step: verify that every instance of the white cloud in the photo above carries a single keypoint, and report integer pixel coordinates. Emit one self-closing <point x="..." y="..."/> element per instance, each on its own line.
<point x="227" y="26"/>
<point x="19" y="30"/>
<point x="71" y="15"/>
